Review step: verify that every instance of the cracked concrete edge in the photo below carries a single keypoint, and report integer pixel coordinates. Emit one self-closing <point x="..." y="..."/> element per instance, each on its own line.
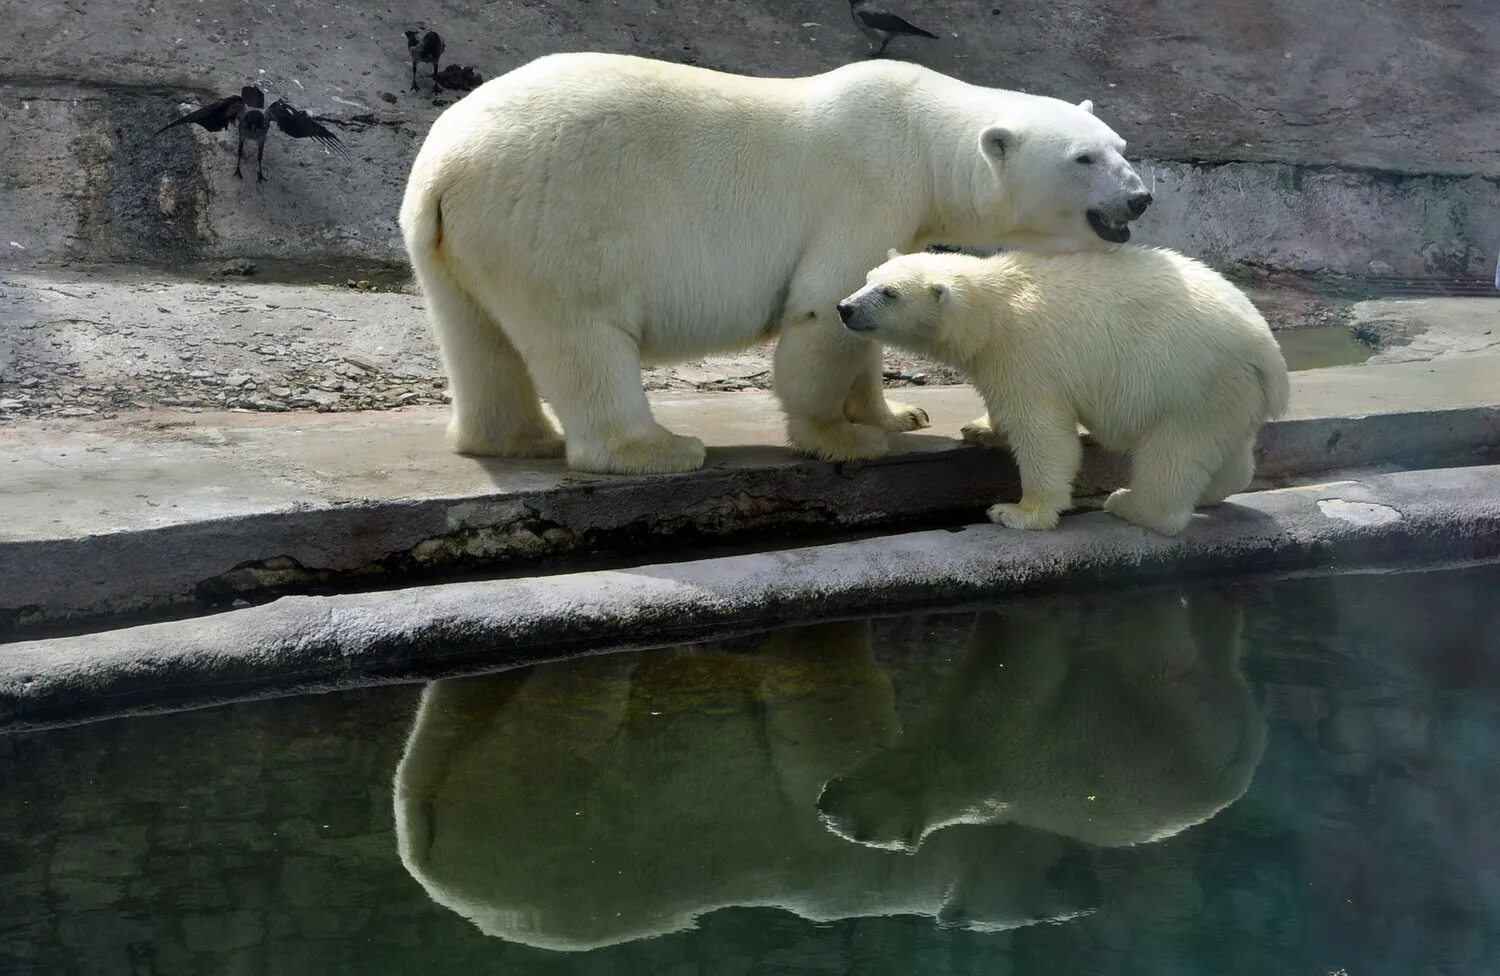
<point x="82" y="582"/>
<point x="301" y="644"/>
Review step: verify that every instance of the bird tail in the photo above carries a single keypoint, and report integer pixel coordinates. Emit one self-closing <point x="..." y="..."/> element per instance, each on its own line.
<point x="921" y="33"/>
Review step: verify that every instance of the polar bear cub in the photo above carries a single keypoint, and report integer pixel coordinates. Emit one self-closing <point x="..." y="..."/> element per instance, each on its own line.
<point x="1153" y="352"/>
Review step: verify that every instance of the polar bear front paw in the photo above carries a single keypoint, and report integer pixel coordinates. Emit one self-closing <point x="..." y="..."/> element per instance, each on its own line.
<point x="890" y="415"/>
<point x="907" y="416"/>
<point x="838" y="440"/>
<point x="662" y="453"/>
<point x="1023" y="515"/>
<point x="980" y="431"/>
<point x="536" y="443"/>
<point x="1130" y="506"/>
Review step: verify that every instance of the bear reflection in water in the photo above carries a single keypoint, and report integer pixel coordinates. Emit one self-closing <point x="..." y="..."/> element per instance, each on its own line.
<point x="1109" y="729"/>
<point x="620" y="797"/>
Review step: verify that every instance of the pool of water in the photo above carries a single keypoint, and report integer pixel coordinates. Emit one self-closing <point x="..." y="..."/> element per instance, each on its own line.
<point x="1275" y="778"/>
<point x="1319" y="346"/>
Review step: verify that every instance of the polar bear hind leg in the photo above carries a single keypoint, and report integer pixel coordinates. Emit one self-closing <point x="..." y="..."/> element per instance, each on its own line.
<point x="1171" y="469"/>
<point x="496" y="409"/>
<point x="1234" y="475"/>
<point x="590" y="371"/>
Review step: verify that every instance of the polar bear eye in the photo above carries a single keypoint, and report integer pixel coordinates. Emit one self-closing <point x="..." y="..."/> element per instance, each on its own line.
<point x="1085" y="159"/>
<point x="888" y="292"/>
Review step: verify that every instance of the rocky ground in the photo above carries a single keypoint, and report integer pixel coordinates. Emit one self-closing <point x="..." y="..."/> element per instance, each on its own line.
<point x="82" y="341"/>
<point x="79" y="341"/>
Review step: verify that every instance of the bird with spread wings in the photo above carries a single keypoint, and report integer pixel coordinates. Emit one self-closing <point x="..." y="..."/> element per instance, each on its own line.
<point x="253" y="120"/>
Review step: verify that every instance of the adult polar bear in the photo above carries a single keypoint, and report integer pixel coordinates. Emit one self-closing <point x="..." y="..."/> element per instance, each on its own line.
<point x="587" y="213"/>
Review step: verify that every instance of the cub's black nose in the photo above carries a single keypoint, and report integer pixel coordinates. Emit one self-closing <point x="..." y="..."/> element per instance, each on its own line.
<point x="846" y="311"/>
<point x="1138" y="202"/>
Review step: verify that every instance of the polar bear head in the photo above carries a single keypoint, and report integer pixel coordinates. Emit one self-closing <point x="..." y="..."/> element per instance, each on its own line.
<point x="912" y="299"/>
<point x="1053" y="175"/>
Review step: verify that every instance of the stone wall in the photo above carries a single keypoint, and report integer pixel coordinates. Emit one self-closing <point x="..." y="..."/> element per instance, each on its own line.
<point x="1327" y="133"/>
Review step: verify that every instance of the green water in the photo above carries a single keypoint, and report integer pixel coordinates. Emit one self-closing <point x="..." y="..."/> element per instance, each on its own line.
<point x="1269" y="779"/>
<point x="1318" y="346"/>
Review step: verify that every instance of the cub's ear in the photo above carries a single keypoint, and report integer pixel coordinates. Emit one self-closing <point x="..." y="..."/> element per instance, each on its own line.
<point x="892" y="254"/>
<point x="996" y="141"/>
<point x="1087" y="105"/>
<point x="941" y="291"/>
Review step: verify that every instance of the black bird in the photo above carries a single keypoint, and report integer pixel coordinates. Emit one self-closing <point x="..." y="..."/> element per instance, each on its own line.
<point x="426" y="49"/>
<point x="881" y="25"/>
<point x="248" y="111"/>
<point x="460" y="77"/>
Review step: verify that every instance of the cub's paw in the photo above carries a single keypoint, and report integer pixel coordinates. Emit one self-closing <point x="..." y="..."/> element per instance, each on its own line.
<point x="1130" y="506"/>
<point x="1023" y="515"/>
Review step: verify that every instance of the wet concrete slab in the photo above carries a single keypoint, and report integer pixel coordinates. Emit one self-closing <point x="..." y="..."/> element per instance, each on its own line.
<point x="166" y="509"/>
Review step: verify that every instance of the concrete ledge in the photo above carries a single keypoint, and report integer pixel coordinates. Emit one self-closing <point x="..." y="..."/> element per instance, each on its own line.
<point x="305" y="643"/>
<point x="167" y="510"/>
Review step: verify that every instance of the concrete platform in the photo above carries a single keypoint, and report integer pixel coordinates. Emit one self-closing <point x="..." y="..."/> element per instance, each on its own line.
<point x="162" y="510"/>
<point x="1406" y="520"/>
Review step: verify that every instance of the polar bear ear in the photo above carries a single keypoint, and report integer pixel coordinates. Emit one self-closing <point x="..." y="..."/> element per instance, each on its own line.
<point x="892" y="254"/>
<point x="996" y="141"/>
<point x="941" y="291"/>
<point x="1087" y="105"/>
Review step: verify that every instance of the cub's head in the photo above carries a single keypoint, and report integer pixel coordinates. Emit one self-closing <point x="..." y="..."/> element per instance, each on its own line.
<point x="1060" y="173"/>
<point x="908" y="300"/>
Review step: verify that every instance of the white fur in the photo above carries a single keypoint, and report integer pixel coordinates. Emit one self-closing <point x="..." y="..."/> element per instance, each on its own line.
<point x="619" y="797"/>
<point x="1153" y="352"/>
<point x="587" y="213"/>
<point x="1111" y="736"/>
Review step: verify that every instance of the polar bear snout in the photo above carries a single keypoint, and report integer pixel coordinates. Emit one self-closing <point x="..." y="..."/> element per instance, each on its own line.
<point x="849" y="315"/>
<point x="853" y="315"/>
<point x="1138" y="202"/>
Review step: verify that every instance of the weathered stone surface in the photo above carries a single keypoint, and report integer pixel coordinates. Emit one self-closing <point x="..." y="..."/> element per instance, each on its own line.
<point x="302" y="643"/>
<point x="160" y="510"/>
